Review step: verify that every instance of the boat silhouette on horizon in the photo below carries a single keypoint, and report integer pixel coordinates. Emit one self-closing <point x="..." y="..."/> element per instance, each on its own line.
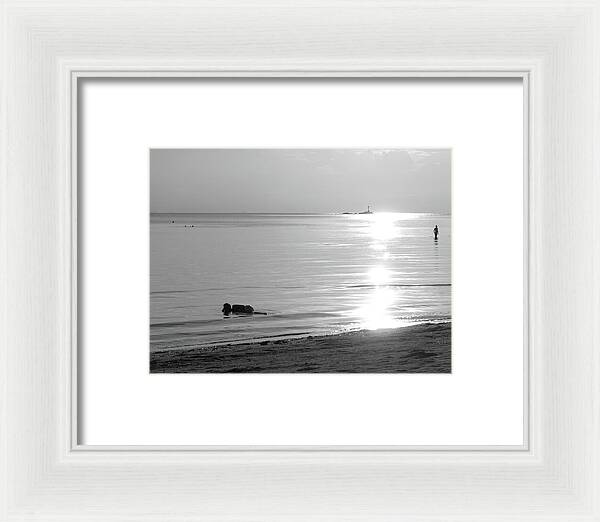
<point x="368" y="211"/>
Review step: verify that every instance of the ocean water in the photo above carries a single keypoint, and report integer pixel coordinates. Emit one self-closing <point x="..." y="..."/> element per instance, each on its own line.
<point x="311" y="274"/>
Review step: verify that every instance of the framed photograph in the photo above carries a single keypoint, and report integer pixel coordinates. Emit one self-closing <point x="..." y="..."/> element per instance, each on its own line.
<point x="290" y="262"/>
<point x="332" y="289"/>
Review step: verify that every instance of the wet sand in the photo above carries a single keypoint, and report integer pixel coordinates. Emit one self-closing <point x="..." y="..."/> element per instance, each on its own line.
<point x="414" y="349"/>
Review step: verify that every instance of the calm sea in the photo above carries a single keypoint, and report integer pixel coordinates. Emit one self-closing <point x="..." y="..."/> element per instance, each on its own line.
<point x="311" y="274"/>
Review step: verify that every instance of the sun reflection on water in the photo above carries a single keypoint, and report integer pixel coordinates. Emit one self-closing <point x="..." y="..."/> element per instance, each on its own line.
<point x="376" y="313"/>
<point x="379" y="275"/>
<point x="382" y="226"/>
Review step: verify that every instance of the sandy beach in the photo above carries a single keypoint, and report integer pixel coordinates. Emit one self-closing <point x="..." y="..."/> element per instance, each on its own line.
<point x="421" y="348"/>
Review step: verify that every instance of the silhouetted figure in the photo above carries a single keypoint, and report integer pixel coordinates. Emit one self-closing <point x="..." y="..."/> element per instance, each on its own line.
<point x="435" y="232"/>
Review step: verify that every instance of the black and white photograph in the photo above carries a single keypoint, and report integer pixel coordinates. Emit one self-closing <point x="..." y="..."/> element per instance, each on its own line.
<point x="300" y="260"/>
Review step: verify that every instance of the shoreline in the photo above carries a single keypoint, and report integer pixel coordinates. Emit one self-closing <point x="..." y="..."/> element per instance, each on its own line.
<point x="423" y="348"/>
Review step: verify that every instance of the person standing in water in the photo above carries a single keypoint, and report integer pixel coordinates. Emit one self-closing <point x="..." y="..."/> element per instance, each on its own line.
<point x="435" y="232"/>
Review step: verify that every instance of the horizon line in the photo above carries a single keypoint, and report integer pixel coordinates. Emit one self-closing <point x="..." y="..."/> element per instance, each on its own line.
<point x="313" y="213"/>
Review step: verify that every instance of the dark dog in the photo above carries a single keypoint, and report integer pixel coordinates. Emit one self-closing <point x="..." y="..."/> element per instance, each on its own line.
<point x="237" y="309"/>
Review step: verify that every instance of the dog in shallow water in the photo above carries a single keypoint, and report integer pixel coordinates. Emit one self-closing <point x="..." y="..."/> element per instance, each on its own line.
<point x="237" y="309"/>
<point x="240" y="310"/>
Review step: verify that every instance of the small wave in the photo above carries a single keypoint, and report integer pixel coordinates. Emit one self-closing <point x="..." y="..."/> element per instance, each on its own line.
<point x="291" y="287"/>
<point x="224" y="289"/>
<point x="397" y="285"/>
<point x="165" y="292"/>
<point x="198" y="322"/>
<point x="228" y="342"/>
<point x="158" y="344"/>
<point x="253" y="317"/>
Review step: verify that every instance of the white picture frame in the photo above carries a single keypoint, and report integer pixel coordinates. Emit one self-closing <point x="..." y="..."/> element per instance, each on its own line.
<point x="45" y="474"/>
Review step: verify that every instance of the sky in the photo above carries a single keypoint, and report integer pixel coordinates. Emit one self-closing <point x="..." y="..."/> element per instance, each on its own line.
<point x="299" y="180"/>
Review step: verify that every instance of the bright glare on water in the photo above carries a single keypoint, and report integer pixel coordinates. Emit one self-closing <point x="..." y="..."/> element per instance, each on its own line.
<point x="312" y="274"/>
